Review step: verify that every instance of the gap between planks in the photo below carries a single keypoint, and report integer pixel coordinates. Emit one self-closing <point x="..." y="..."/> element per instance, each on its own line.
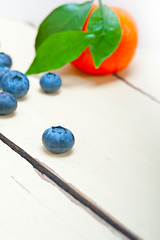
<point x="71" y="190"/>
<point x="141" y="91"/>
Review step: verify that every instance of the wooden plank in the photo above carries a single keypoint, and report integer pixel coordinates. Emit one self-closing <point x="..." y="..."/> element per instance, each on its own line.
<point x="115" y="160"/>
<point x="119" y="166"/>
<point x="143" y="73"/>
<point x="73" y="193"/>
<point x="32" y="208"/>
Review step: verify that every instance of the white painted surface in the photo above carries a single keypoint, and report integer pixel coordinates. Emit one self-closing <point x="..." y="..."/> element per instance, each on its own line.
<point x="115" y="160"/>
<point x="143" y="73"/>
<point x="32" y="208"/>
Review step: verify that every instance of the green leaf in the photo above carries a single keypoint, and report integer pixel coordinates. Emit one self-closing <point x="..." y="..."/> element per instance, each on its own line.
<point x="106" y="26"/>
<point x="67" y="17"/>
<point x="59" y="49"/>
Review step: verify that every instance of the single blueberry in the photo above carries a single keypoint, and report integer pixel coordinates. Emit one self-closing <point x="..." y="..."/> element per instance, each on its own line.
<point x="3" y="70"/>
<point x="50" y="82"/>
<point x="58" y="139"/>
<point x="8" y="103"/>
<point x="16" y="83"/>
<point x="5" y="60"/>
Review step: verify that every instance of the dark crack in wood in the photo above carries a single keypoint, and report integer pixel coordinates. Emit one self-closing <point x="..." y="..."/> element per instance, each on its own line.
<point x="146" y="94"/>
<point x="70" y="189"/>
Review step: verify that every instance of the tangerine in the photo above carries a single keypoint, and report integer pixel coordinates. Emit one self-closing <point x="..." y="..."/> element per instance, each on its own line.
<point x="121" y="57"/>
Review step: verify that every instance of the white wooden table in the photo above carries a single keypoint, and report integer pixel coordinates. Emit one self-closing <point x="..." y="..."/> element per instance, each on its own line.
<point x="108" y="186"/>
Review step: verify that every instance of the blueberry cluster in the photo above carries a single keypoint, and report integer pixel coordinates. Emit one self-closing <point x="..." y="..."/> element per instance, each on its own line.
<point x="15" y="85"/>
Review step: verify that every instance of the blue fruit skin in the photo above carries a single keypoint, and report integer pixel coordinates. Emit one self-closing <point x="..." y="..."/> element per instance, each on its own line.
<point x="50" y="82"/>
<point x="3" y="70"/>
<point x="58" y="139"/>
<point x="16" y="83"/>
<point x="8" y="103"/>
<point x="5" y="60"/>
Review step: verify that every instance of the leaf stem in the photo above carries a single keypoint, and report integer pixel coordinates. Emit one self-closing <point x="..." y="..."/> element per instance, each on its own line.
<point x="101" y="8"/>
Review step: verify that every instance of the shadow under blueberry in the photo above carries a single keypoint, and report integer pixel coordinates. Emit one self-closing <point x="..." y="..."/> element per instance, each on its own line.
<point x="57" y="155"/>
<point x="8" y="115"/>
<point x="22" y="99"/>
<point x="49" y="94"/>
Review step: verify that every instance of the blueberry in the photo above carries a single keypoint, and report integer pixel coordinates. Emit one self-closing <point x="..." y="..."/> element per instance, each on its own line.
<point x="50" y="82"/>
<point x="3" y="70"/>
<point x="5" y="60"/>
<point x="58" y="139"/>
<point x="16" y="83"/>
<point x="8" y="103"/>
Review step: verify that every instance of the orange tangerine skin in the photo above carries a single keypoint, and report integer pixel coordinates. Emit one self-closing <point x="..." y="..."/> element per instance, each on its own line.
<point x="121" y="57"/>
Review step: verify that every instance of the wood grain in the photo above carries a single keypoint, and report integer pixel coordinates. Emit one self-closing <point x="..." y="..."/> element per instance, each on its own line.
<point x="72" y="192"/>
<point x="115" y="161"/>
<point x="143" y="73"/>
<point x="32" y="208"/>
